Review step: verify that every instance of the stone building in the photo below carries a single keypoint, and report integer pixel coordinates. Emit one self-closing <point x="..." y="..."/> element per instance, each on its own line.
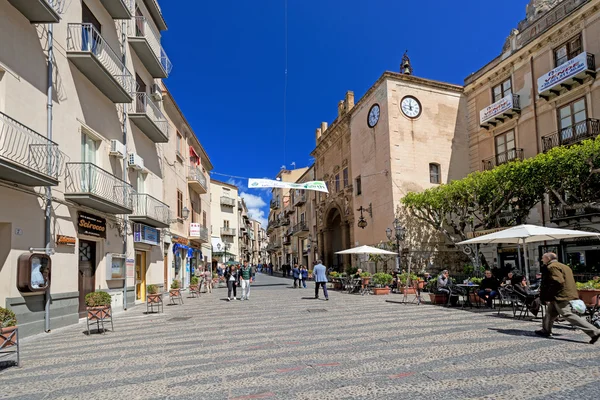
<point x="539" y="93"/>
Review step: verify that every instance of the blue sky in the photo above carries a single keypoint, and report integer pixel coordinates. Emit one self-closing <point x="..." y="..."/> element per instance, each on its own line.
<point x="229" y="60"/>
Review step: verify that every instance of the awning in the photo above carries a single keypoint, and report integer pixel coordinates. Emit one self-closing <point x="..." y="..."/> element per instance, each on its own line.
<point x="193" y="153"/>
<point x="177" y="246"/>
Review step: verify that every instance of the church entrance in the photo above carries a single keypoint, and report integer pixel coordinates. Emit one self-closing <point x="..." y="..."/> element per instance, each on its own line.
<point x="336" y="238"/>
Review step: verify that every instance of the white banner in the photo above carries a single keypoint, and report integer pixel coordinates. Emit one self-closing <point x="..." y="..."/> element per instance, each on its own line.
<point x="563" y="72"/>
<point x="195" y="229"/>
<point x="318" y="186"/>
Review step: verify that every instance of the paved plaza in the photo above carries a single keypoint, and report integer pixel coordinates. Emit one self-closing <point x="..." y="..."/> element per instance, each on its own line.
<point x="283" y="344"/>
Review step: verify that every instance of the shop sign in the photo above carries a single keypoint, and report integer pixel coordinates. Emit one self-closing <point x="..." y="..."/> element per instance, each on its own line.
<point x="180" y="240"/>
<point x="498" y="108"/>
<point x="146" y="234"/>
<point x="562" y="73"/>
<point x="91" y="225"/>
<point x="63" y="240"/>
<point x="194" y="229"/>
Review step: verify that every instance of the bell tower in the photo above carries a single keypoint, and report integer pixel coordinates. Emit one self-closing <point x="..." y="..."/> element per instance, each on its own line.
<point x="405" y="67"/>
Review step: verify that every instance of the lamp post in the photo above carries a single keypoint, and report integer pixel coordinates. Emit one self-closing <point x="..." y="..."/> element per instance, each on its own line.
<point x="309" y="245"/>
<point x="398" y="234"/>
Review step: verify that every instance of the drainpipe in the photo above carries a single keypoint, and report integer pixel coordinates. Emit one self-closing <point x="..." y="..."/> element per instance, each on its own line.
<point x="126" y="222"/>
<point x="48" y="211"/>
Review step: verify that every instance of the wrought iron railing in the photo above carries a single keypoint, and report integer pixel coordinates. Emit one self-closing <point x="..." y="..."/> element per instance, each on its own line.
<point x="202" y="233"/>
<point x="57" y="5"/>
<point x="143" y="104"/>
<point x="586" y="129"/>
<point x="274" y="204"/>
<point x="140" y="27"/>
<point x="88" y="178"/>
<point x="85" y="38"/>
<point x="299" y="199"/>
<point x="145" y="205"/>
<point x="284" y="222"/>
<point x="503" y="158"/>
<point x="573" y="211"/>
<point x="227" y="201"/>
<point x="226" y="231"/>
<point x="197" y="175"/>
<point x="299" y="227"/>
<point x="27" y="148"/>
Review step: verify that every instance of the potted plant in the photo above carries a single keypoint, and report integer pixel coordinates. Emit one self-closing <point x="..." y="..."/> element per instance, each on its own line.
<point x="98" y="309"/>
<point x="473" y="295"/>
<point x="175" y="289"/>
<point x="9" y="331"/>
<point x="588" y="291"/>
<point x="310" y="274"/>
<point x="194" y="284"/>
<point x="382" y="282"/>
<point x="402" y="278"/>
<point x="434" y="297"/>
<point x="366" y="277"/>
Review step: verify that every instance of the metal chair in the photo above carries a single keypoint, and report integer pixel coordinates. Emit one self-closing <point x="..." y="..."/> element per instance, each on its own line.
<point x="506" y="294"/>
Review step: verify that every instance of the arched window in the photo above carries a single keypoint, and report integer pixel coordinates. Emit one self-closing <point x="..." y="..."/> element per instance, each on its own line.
<point x="434" y="173"/>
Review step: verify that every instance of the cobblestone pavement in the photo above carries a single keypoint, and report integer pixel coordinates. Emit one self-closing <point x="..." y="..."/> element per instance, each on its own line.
<point x="283" y="344"/>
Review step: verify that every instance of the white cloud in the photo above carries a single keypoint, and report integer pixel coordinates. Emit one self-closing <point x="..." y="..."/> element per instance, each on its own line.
<point x="255" y="204"/>
<point x="237" y="182"/>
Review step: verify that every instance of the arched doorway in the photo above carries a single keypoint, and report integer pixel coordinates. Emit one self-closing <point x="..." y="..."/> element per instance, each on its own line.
<point x="335" y="238"/>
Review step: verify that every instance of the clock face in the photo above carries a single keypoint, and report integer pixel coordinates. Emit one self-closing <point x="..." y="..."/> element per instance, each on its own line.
<point x="411" y="107"/>
<point x="373" y="116"/>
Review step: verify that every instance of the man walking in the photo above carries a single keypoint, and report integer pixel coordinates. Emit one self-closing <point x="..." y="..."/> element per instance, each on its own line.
<point x="558" y="289"/>
<point x="245" y="275"/>
<point x="320" y="275"/>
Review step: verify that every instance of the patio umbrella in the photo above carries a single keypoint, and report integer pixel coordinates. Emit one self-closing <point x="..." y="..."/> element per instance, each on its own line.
<point x="231" y="263"/>
<point x="366" y="250"/>
<point x="523" y="234"/>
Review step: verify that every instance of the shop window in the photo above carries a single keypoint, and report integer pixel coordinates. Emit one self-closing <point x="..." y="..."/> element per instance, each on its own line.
<point x="502" y="90"/>
<point x="568" y="50"/>
<point x="434" y="173"/>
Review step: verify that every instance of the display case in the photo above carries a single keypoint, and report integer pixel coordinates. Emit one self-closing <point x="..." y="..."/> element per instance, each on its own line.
<point x="33" y="272"/>
<point x="115" y="267"/>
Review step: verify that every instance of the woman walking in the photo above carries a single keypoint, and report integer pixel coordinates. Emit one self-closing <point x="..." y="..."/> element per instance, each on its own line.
<point x="296" y="276"/>
<point x="231" y="276"/>
<point x="303" y="275"/>
<point x="208" y="280"/>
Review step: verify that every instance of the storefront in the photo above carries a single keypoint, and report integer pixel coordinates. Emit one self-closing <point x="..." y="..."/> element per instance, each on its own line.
<point x="145" y="238"/>
<point x="182" y="256"/>
<point x="91" y="233"/>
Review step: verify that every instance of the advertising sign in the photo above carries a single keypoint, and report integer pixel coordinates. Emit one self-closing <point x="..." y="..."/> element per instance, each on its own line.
<point x="146" y="234"/>
<point x="498" y="108"/>
<point x="318" y="186"/>
<point x="91" y="225"/>
<point x="562" y="73"/>
<point x="194" y="229"/>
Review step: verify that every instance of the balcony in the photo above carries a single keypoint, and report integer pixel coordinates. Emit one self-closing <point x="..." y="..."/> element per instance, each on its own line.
<point x="156" y="12"/>
<point x="91" y="186"/>
<point x="502" y="158"/>
<point x="90" y="53"/>
<point x="119" y="9"/>
<point x="227" y="201"/>
<point x="146" y="42"/>
<point x="586" y="129"/>
<point x="284" y="222"/>
<point x="287" y="240"/>
<point x="274" y="205"/>
<point x="567" y="76"/>
<point x="575" y="212"/>
<point x="197" y="180"/>
<point x="198" y="232"/>
<point x="299" y="199"/>
<point x="150" y="211"/>
<point x="39" y="11"/>
<point x="26" y="157"/>
<point x="226" y="231"/>
<point x="500" y="111"/>
<point x="149" y="118"/>
<point x="299" y="228"/>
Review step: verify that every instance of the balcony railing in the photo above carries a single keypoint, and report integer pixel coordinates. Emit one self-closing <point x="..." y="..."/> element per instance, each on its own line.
<point x="586" y="129"/>
<point x="202" y="234"/>
<point x="574" y="212"/>
<point x="27" y="157"/>
<point x="227" y="201"/>
<point x="156" y="13"/>
<point x="197" y="180"/>
<point x="90" y="185"/>
<point x="99" y="62"/>
<point x="146" y="42"/>
<point x="499" y="111"/>
<point x="284" y="222"/>
<point x="149" y="118"/>
<point x="40" y="11"/>
<point x="274" y="205"/>
<point x="567" y="76"/>
<point x="287" y="240"/>
<point x="503" y="158"/>
<point x="226" y="231"/>
<point x="150" y="211"/>
<point x="300" y="227"/>
<point x="119" y="9"/>
<point x="299" y="199"/>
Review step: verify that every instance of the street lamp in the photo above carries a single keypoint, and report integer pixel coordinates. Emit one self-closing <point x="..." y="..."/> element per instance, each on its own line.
<point x="362" y="222"/>
<point x="398" y="233"/>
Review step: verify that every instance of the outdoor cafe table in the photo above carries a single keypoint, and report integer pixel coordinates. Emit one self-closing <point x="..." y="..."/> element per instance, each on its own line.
<point x="468" y="288"/>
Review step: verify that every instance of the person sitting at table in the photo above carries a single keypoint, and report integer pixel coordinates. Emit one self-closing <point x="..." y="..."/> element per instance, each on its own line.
<point x="443" y="286"/>
<point x="488" y="288"/>
<point x="532" y="299"/>
<point x="511" y="279"/>
<point x="357" y="275"/>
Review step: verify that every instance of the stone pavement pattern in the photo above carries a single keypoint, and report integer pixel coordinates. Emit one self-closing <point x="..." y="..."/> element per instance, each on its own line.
<point x="282" y="345"/>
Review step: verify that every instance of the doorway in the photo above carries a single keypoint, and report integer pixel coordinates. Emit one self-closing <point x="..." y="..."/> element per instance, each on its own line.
<point x="140" y="276"/>
<point x="87" y="272"/>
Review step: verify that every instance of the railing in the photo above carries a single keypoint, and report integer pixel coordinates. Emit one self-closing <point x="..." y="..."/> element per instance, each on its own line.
<point x="299" y="227"/>
<point x="300" y="199"/>
<point x="227" y="201"/>
<point x="202" y="233"/>
<point x="87" y="178"/>
<point x="225" y="231"/>
<point x="197" y="175"/>
<point x="502" y="158"/>
<point x="140" y="28"/>
<point x="143" y="104"/>
<point x="27" y="148"/>
<point x="57" y="5"/>
<point x="284" y="222"/>
<point x="85" y="38"/>
<point x="586" y="129"/>
<point x="287" y="241"/>
<point x="145" y="205"/>
<point x="274" y="204"/>
<point x="575" y="211"/>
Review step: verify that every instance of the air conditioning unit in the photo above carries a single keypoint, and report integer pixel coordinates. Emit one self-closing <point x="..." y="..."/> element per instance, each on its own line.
<point x="156" y="92"/>
<point x="117" y="149"/>
<point x="135" y="161"/>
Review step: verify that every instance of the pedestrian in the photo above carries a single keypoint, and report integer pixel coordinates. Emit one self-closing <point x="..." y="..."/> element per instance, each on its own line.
<point x="320" y="275"/>
<point x="208" y="280"/>
<point x="245" y="275"/>
<point x="296" y="276"/>
<point x="231" y="276"/>
<point x="558" y="289"/>
<point x="271" y="269"/>
<point x="303" y="275"/>
<point x="252" y="279"/>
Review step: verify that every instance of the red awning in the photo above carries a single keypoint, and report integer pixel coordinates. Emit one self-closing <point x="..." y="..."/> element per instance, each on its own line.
<point x="194" y="154"/>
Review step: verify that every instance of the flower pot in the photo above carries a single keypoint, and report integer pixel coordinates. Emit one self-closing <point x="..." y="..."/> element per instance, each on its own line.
<point x="154" y="298"/>
<point x="366" y="281"/>
<point x="381" y="291"/>
<point x="437" y="298"/>
<point x="5" y="334"/>
<point x="174" y="292"/>
<point x="98" y="313"/>
<point x="193" y="288"/>
<point x="421" y="285"/>
<point x="409" y="290"/>
<point x="588" y="296"/>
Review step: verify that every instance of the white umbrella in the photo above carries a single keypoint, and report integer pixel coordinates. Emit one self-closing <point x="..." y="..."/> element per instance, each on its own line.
<point x="366" y="250"/>
<point x="527" y="234"/>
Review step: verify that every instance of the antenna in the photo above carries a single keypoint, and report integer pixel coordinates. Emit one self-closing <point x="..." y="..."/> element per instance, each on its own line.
<point x="293" y="164"/>
<point x="283" y="167"/>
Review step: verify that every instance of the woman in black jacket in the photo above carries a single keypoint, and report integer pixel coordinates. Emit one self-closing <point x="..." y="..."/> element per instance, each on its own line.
<point x="231" y="277"/>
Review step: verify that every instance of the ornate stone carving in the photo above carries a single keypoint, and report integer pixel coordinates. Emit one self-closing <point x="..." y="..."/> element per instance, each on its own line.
<point x="336" y="169"/>
<point x="536" y="8"/>
<point x="345" y="162"/>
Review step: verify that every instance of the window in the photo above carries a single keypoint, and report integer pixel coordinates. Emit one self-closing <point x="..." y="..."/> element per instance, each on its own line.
<point x="567" y="51"/>
<point x="345" y="175"/>
<point x="179" y="204"/>
<point x="88" y="149"/>
<point x="204" y="219"/>
<point x="358" y="186"/>
<point x="225" y="223"/>
<point x="302" y="218"/>
<point x="502" y="90"/>
<point x="337" y="183"/>
<point x="141" y="182"/>
<point x="572" y="120"/>
<point x="505" y="147"/>
<point x="434" y="173"/>
<point x="179" y="144"/>
<point x="194" y="211"/>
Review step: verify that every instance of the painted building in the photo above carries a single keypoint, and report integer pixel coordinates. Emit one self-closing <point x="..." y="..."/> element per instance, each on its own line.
<point x="224" y="222"/>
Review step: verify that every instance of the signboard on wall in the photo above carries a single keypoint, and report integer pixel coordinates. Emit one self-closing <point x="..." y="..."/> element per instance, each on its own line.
<point x="130" y="263"/>
<point x="562" y="73"/>
<point x="146" y="234"/>
<point x="194" y="229"/>
<point x="91" y="225"/>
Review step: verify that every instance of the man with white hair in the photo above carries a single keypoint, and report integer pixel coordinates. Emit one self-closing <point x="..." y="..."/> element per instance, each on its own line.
<point x="320" y="275"/>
